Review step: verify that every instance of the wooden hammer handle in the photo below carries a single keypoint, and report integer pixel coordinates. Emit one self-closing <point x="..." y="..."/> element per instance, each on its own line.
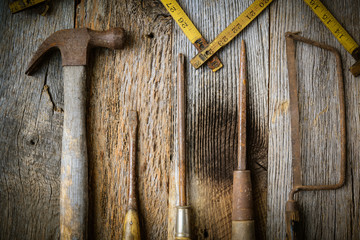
<point x="74" y="162"/>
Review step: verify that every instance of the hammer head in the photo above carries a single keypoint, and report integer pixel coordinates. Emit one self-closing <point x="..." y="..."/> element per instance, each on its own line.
<point x="74" y="45"/>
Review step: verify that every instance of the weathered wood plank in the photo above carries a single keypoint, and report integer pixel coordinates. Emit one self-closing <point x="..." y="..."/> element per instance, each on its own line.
<point x="30" y="126"/>
<point x="212" y="119"/>
<point x="135" y="78"/>
<point x="142" y="77"/>
<point x="325" y="214"/>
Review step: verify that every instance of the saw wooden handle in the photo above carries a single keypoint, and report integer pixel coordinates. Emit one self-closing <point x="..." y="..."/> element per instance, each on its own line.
<point x="292" y="218"/>
<point x="74" y="163"/>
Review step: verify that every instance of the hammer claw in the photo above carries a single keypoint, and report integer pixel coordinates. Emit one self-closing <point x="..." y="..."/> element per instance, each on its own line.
<point x="44" y="49"/>
<point x="74" y="45"/>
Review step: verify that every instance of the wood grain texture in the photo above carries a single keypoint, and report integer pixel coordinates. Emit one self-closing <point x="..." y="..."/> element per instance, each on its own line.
<point x="212" y="119"/>
<point x="135" y="78"/>
<point x="325" y="214"/>
<point x="74" y="159"/>
<point x="30" y="125"/>
<point x="142" y="77"/>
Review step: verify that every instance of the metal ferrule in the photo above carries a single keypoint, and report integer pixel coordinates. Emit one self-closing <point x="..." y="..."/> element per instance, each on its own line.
<point x="182" y="225"/>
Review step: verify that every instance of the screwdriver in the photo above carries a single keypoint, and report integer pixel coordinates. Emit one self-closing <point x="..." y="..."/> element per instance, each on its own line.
<point x="132" y="224"/>
<point x="182" y="225"/>
<point x="243" y="227"/>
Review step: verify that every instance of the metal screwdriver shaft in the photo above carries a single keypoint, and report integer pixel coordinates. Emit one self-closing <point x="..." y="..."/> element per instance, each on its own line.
<point x="182" y="227"/>
<point x="242" y="216"/>
<point x="132" y="224"/>
<point x="242" y="111"/>
<point x="181" y="131"/>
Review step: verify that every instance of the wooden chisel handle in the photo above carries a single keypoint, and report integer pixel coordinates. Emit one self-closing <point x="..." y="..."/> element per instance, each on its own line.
<point x="132" y="223"/>
<point x="74" y="162"/>
<point x="292" y="218"/>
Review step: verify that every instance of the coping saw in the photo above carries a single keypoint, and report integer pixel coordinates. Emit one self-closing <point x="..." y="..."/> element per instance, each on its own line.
<point x="292" y="217"/>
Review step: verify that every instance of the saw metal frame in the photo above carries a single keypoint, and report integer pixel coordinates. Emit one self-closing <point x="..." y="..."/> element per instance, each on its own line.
<point x="291" y="38"/>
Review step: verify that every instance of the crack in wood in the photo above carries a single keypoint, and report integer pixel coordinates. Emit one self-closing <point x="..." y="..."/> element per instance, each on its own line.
<point x="55" y="107"/>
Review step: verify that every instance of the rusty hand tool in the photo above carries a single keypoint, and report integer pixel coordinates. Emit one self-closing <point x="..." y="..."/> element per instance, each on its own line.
<point x="292" y="218"/>
<point x="42" y="6"/>
<point x="74" y="45"/>
<point x="182" y="225"/>
<point x="132" y="224"/>
<point x="242" y="215"/>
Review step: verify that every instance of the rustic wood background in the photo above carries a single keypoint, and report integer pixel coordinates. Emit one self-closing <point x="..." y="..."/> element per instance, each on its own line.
<point x="142" y="77"/>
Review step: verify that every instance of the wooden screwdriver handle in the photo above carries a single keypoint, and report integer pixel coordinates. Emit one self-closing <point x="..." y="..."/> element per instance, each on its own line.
<point x="131" y="226"/>
<point x="243" y="224"/>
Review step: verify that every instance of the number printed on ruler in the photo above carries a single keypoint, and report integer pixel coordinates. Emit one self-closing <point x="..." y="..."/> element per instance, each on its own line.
<point x="190" y="30"/>
<point x="230" y="32"/>
<point x="333" y="25"/>
<point x="182" y="20"/>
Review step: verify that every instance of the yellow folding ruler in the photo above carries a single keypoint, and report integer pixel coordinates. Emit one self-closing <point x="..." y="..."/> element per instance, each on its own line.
<point x="190" y="30"/>
<point x="20" y="5"/>
<point x="338" y="31"/>
<point x="230" y="32"/>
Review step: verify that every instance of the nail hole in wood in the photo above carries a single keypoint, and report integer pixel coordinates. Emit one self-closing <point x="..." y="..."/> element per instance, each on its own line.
<point x="206" y="234"/>
<point x="150" y="35"/>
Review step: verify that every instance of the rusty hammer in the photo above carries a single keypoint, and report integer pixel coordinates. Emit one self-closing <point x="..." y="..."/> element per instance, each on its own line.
<point x="74" y="45"/>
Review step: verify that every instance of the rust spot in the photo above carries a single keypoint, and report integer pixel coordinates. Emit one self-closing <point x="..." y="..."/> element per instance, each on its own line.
<point x="280" y="109"/>
<point x="320" y="113"/>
